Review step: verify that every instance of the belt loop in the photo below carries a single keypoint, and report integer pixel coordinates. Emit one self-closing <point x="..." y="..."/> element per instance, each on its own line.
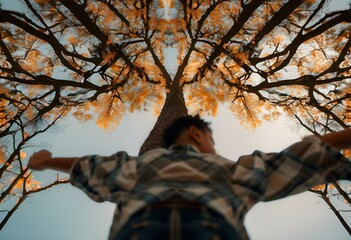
<point x="175" y="225"/>
<point x="205" y="212"/>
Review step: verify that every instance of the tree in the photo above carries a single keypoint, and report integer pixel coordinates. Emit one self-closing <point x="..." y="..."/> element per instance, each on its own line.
<point x="328" y="192"/>
<point x="104" y="57"/>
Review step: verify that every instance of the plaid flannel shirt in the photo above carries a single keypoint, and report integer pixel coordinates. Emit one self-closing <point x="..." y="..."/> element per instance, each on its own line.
<point x="230" y="188"/>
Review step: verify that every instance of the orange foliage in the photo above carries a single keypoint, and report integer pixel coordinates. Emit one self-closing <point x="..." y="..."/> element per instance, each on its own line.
<point x="110" y="111"/>
<point x="130" y="65"/>
<point x="319" y="187"/>
<point x="347" y="153"/>
<point x="2" y="156"/>
<point x="4" y="114"/>
<point x="27" y="182"/>
<point x="82" y="114"/>
<point x="206" y="95"/>
<point x="310" y="1"/>
<point x="36" y="62"/>
<point x="247" y="109"/>
<point x="166" y="3"/>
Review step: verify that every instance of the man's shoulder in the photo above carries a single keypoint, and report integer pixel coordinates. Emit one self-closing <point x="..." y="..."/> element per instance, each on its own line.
<point x="155" y="151"/>
<point x="153" y="154"/>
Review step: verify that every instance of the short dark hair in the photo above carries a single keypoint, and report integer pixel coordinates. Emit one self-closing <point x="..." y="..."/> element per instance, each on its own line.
<point x="173" y="131"/>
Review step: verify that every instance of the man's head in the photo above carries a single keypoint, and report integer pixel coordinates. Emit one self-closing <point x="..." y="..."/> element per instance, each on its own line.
<point x="190" y="130"/>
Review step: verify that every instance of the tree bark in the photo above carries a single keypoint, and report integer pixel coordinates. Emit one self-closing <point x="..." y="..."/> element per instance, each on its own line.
<point x="173" y="108"/>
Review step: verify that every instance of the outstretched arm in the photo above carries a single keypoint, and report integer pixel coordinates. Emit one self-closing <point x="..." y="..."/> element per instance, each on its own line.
<point x="314" y="160"/>
<point x="339" y="140"/>
<point x="43" y="160"/>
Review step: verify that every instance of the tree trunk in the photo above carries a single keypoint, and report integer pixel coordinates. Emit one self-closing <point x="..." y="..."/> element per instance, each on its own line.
<point x="173" y="108"/>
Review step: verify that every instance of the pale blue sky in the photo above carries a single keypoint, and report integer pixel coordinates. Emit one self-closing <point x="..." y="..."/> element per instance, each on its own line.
<point x="65" y="213"/>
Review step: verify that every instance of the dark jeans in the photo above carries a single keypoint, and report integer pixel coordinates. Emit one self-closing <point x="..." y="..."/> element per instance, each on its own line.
<point x="177" y="223"/>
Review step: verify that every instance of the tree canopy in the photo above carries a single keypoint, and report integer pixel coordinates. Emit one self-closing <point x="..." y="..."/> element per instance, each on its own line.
<point x="98" y="59"/>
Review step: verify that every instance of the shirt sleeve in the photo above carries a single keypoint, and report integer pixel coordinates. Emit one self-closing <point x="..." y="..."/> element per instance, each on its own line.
<point x="299" y="167"/>
<point x="99" y="176"/>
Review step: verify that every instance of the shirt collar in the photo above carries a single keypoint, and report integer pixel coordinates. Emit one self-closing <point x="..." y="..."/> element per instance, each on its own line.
<point x="184" y="147"/>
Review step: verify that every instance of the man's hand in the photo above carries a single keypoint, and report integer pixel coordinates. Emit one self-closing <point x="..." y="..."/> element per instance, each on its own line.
<point x="39" y="160"/>
<point x="43" y="160"/>
<point x="340" y="140"/>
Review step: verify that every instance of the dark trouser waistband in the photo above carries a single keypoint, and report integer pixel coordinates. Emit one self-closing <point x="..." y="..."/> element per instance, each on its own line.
<point x="177" y="204"/>
<point x="177" y="221"/>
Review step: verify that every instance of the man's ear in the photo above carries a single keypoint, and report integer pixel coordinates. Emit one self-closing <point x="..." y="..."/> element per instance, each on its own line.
<point x="194" y="134"/>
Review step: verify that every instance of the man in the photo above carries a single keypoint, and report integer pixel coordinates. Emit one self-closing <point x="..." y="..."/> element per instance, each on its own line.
<point x="189" y="192"/>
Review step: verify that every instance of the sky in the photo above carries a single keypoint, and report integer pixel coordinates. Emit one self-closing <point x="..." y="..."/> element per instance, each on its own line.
<point x="66" y="213"/>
